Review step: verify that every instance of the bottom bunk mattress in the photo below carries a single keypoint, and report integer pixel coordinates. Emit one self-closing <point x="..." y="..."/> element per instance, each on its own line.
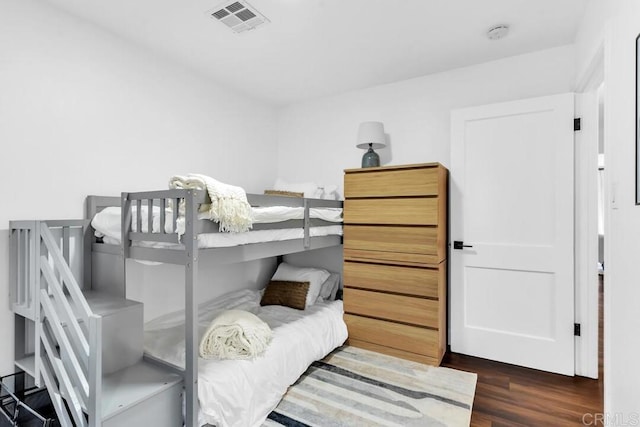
<point x="243" y="392"/>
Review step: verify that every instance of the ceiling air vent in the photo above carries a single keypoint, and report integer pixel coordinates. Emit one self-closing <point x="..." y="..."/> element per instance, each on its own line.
<point x="240" y="16"/>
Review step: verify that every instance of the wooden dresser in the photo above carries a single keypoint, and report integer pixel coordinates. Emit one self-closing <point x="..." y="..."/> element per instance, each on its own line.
<point x="395" y="268"/>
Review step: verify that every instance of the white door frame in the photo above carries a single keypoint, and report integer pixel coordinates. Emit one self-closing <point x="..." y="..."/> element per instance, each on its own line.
<point x="586" y="225"/>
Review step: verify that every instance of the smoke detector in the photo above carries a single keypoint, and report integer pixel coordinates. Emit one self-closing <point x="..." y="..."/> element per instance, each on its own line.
<point x="240" y="16"/>
<point x="498" y="32"/>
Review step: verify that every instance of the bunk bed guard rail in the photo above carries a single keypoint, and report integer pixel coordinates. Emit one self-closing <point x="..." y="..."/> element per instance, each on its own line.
<point x="160" y="207"/>
<point x="167" y="204"/>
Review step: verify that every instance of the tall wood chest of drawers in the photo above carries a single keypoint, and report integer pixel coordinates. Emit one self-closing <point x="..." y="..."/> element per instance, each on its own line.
<point x="395" y="266"/>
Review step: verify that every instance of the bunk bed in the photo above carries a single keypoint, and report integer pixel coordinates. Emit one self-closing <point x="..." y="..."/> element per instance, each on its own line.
<point x="162" y="233"/>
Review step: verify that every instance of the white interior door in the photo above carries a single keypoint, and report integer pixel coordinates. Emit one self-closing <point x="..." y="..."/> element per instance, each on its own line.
<point x="512" y="204"/>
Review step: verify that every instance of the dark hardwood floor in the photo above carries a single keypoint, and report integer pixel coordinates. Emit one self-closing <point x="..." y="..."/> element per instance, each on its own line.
<point x="508" y="395"/>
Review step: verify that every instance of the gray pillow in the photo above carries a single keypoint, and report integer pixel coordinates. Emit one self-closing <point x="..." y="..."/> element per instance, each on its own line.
<point x="330" y="287"/>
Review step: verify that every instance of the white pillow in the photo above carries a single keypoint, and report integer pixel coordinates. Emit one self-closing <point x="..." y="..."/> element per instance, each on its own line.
<point x="310" y="189"/>
<point x="315" y="276"/>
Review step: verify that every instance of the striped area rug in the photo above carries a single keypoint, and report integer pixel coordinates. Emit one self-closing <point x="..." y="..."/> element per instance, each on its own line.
<point x="356" y="387"/>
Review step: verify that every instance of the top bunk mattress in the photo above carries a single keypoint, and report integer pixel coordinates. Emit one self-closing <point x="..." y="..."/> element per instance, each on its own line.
<point x="107" y="225"/>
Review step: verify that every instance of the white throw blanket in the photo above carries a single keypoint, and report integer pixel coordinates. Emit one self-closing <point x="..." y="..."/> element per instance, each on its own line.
<point x="235" y="334"/>
<point x="229" y="206"/>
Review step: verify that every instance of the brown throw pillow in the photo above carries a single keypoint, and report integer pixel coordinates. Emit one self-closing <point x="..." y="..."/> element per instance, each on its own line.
<point x="289" y="294"/>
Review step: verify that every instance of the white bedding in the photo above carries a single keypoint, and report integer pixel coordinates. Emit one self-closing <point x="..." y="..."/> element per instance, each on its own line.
<point x="284" y="213"/>
<point x="107" y="225"/>
<point x="241" y="393"/>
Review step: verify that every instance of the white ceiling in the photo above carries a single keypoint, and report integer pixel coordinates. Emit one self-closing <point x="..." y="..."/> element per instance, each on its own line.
<point x="313" y="48"/>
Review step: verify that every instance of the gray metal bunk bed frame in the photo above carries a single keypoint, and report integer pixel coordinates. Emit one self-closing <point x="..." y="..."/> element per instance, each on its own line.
<point x="189" y="255"/>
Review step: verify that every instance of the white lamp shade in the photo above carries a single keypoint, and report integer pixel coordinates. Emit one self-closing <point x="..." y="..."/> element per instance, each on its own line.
<point x="371" y="133"/>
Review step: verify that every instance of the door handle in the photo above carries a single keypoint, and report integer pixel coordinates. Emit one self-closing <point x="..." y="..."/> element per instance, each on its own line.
<point x="457" y="244"/>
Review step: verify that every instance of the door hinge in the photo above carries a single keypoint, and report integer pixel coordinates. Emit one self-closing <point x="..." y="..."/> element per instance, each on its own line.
<point x="576" y="329"/>
<point x="576" y="124"/>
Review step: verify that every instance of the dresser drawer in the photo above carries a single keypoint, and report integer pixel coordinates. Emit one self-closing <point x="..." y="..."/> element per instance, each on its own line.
<point x="403" y="280"/>
<point x="392" y="183"/>
<point x="388" y="334"/>
<point x="399" y="308"/>
<point x="427" y="243"/>
<point x="410" y="211"/>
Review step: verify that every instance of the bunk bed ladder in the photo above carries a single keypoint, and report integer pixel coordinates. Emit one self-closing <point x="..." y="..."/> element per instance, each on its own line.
<point x="69" y="339"/>
<point x="84" y="343"/>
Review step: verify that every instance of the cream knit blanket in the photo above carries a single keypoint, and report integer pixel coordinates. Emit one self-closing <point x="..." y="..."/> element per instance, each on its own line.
<point x="229" y="206"/>
<point x="235" y="334"/>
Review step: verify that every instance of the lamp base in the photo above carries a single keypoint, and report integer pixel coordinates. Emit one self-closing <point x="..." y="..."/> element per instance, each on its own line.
<point x="370" y="159"/>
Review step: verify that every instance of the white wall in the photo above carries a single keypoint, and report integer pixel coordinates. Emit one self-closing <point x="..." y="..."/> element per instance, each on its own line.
<point x="327" y="258"/>
<point x="316" y="139"/>
<point x="214" y="281"/>
<point x="83" y="112"/>
<point x="622" y="246"/>
<point x="614" y="25"/>
<point x="589" y="37"/>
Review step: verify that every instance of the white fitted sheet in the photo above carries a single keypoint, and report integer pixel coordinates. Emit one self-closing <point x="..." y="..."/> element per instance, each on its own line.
<point x="242" y="393"/>
<point x="283" y="213"/>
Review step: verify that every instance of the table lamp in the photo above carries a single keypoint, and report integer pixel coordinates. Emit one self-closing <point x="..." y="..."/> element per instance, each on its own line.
<point x="370" y="136"/>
